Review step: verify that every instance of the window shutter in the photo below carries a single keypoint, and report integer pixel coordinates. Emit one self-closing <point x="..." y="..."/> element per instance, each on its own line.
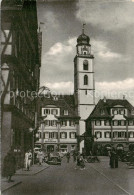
<point x="105" y="134"/>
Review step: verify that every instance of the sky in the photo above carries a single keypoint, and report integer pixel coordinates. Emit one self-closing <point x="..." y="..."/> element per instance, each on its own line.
<point x="110" y="26"/>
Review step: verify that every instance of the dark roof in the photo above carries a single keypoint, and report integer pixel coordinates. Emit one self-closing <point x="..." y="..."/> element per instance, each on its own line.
<point x="106" y="105"/>
<point x="64" y="102"/>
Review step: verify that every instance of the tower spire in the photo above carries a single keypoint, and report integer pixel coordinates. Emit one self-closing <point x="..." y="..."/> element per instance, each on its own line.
<point x="83" y="28"/>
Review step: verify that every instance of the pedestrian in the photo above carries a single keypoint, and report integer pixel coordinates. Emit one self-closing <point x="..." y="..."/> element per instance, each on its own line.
<point x="68" y="157"/>
<point x="74" y="155"/>
<point x="113" y="159"/>
<point x="40" y="157"/>
<point x="9" y="166"/>
<point x="81" y="162"/>
<point x="28" y="158"/>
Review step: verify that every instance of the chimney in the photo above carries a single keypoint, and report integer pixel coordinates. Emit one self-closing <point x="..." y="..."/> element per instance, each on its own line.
<point x="124" y="97"/>
<point x="105" y="99"/>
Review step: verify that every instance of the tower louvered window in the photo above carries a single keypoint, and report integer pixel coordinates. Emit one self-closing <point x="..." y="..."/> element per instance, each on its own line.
<point x="85" y="80"/>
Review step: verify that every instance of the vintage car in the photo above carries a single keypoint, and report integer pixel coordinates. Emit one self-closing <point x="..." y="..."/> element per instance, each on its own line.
<point x="53" y="159"/>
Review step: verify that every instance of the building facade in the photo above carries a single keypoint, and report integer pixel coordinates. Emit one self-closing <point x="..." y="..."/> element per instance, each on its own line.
<point x="112" y="124"/>
<point x="20" y="74"/>
<point x="84" y="85"/>
<point x="59" y="124"/>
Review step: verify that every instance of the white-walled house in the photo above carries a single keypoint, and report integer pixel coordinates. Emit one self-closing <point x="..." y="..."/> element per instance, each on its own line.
<point x="112" y="124"/>
<point x="59" y="126"/>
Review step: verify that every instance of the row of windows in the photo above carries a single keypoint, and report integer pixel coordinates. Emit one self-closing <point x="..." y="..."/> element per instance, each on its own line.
<point x="54" y="123"/>
<point x="118" y="111"/>
<point x="54" y="135"/>
<point x="114" y="123"/>
<point x="116" y="134"/>
<point x="54" y="111"/>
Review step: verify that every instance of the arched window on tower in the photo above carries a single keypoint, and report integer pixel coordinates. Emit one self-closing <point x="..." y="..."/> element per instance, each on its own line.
<point x="85" y="65"/>
<point x="85" y="80"/>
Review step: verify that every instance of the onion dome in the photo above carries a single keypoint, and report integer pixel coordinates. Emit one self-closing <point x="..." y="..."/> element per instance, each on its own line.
<point x="83" y="40"/>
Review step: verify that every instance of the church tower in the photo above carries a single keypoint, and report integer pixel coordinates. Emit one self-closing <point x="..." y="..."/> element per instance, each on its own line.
<point x="84" y="85"/>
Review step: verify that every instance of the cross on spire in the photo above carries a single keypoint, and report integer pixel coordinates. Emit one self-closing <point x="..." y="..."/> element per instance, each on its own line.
<point x="83" y="28"/>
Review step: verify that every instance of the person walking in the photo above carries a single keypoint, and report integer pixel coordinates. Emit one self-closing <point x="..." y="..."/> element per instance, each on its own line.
<point x="74" y="155"/>
<point x="81" y="162"/>
<point x="68" y="157"/>
<point x="40" y="157"/>
<point x="9" y="166"/>
<point x="28" y="159"/>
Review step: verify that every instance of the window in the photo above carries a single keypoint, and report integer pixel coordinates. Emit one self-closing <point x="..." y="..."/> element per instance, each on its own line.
<point x="107" y="134"/>
<point x="47" y="122"/>
<point x="64" y="123"/>
<point x="98" y="123"/>
<point x="85" y="65"/>
<point x="72" y="135"/>
<point x="132" y="112"/>
<point x="54" y="111"/>
<point x="122" y="123"/>
<point x="85" y="80"/>
<point x="130" y="123"/>
<point x="98" y="134"/>
<point x="121" y="134"/>
<point x="115" y="123"/>
<point x="53" y="135"/>
<point x="71" y="123"/>
<point x="115" y="134"/>
<point x="72" y="147"/>
<point x="122" y="111"/>
<point x="54" y="123"/>
<point x="63" y="135"/>
<point x="131" y="134"/>
<point x="65" y="112"/>
<point x="86" y="92"/>
<point x="47" y="135"/>
<point x="106" y="123"/>
<point x="46" y="111"/>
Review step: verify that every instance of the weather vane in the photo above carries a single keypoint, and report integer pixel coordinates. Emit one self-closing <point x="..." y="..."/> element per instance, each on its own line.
<point x="83" y="28"/>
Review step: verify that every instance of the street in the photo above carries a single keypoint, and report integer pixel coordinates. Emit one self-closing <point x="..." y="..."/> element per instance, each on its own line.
<point x="96" y="179"/>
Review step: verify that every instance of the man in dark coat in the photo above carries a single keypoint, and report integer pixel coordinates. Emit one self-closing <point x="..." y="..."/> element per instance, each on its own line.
<point x="68" y="157"/>
<point x="9" y="166"/>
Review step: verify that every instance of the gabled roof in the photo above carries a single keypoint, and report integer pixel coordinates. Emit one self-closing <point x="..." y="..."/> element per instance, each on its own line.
<point x="63" y="102"/>
<point x="106" y="105"/>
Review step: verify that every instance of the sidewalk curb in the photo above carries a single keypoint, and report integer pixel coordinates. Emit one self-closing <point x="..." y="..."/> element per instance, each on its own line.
<point x="26" y="174"/>
<point x="11" y="186"/>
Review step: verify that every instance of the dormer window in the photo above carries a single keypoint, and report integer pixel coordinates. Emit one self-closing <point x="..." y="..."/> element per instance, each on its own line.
<point x="46" y="111"/>
<point x="65" y="112"/>
<point x="54" y="111"/>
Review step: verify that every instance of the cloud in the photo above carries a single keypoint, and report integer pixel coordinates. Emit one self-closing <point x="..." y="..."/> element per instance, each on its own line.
<point x="127" y="84"/>
<point x="101" y="50"/>
<point x="61" y="87"/>
<point x="59" y="62"/>
<point x="51" y="20"/>
<point x="116" y="90"/>
<point x="110" y="15"/>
